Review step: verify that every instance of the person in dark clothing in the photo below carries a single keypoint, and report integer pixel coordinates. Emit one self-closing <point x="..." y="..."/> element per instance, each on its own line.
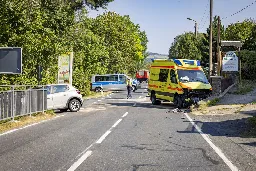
<point x="129" y="88"/>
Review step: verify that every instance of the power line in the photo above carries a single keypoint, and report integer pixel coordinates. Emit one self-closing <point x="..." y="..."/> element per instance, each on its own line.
<point x="206" y="9"/>
<point x="205" y="21"/>
<point x="240" y="10"/>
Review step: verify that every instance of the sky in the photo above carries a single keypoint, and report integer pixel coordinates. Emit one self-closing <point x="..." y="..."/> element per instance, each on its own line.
<point x="163" y="20"/>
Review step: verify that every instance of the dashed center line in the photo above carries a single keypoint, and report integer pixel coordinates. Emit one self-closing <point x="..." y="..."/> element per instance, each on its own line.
<point x="125" y="115"/>
<point x="103" y="137"/>
<point x="85" y="154"/>
<point x="80" y="161"/>
<point x="117" y="122"/>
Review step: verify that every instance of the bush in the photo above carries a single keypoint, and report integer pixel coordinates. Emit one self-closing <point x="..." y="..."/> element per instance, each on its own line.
<point x="245" y="87"/>
<point x="248" y="64"/>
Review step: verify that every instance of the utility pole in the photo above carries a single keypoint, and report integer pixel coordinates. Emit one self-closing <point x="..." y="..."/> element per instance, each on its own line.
<point x="218" y="48"/>
<point x="195" y="26"/>
<point x="210" y="41"/>
<point x="196" y="29"/>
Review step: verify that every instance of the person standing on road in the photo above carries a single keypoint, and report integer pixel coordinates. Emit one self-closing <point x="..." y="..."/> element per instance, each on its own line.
<point x="129" y="88"/>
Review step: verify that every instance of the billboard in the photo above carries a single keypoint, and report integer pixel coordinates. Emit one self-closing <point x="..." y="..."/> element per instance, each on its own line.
<point x="10" y="60"/>
<point x="65" y="64"/>
<point x="230" y="62"/>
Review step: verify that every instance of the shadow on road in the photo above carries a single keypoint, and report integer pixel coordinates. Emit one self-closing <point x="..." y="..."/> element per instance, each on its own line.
<point x="166" y="106"/>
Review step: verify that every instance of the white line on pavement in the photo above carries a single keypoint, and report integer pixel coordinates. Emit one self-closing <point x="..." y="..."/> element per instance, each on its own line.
<point x="215" y="148"/>
<point x="99" y="100"/>
<point x="17" y="129"/>
<point x="139" y="97"/>
<point x="125" y="115"/>
<point x="80" y="161"/>
<point x="85" y="154"/>
<point x="103" y="137"/>
<point x="117" y="122"/>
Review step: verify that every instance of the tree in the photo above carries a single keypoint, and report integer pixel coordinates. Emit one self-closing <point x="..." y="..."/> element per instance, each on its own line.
<point x="240" y="31"/>
<point x="125" y="42"/>
<point x="250" y="42"/>
<point x="187" y="46"/>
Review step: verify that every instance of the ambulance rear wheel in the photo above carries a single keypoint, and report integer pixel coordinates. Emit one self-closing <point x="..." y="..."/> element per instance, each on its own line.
<point x="154" y="100"/>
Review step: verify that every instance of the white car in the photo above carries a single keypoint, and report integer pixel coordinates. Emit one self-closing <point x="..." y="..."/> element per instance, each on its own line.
<point x="63" y="97"/>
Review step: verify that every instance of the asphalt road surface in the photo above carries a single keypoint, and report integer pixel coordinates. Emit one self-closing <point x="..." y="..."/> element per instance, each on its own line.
<point x="114" y="134"/>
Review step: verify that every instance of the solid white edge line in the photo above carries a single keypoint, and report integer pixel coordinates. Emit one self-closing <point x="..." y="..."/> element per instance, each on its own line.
<point x="80" y="161"/>
<point x="126" y="113"/>
<point x="214" y="147"/>
<point x="103" y="137"/>
<point x="27" y="126"/>
<point x="117" y="122"/>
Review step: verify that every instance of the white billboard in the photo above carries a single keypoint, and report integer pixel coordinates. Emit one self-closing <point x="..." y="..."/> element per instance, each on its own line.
<point x="230" y="62"/>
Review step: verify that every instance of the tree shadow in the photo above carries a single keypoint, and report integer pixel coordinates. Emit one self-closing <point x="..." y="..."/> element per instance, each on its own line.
<point x="164" y="106"/>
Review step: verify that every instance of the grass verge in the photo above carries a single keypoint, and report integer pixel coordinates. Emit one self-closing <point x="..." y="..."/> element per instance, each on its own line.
<point x="21" y="121"/>
<point x="245" y="87"/>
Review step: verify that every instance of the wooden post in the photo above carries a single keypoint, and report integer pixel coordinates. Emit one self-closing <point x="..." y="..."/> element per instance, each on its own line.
<point x="218" y="48"/>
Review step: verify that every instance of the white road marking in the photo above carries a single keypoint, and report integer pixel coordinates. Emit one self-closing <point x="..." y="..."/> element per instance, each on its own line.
<point x="80" y="161"/>
<point x="103" y="137"/>
<point x="99" y="100"/>
<point x="215" y="148"/>
<point x="134" y="105"/>
<point x="117" y="122"/>
<point x="17" y="129"/>
<point x="85" y="154"/>
<point x="125" y="115"/>
<point x="139" y="97"/>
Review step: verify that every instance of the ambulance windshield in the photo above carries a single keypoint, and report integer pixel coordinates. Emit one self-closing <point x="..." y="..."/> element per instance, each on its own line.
<point x="192" y="76"/>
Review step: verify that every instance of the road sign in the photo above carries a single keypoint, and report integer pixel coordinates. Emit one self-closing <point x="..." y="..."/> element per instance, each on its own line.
<point x="10" y="60"/>
<point x="230" y="62"/>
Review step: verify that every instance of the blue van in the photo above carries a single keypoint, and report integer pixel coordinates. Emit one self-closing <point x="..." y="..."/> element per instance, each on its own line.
<point x="108" y="82"/>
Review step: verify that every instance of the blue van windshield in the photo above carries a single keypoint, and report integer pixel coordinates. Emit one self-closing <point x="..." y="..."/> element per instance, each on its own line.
<point x="192" y="76"/>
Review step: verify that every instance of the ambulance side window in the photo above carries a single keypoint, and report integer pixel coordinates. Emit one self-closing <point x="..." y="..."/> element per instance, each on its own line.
<point x="173" y="77"/>
<point x="163" y="75"/>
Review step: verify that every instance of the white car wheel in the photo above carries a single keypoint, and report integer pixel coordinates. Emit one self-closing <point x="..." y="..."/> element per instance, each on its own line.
<point x="74" y="105"/>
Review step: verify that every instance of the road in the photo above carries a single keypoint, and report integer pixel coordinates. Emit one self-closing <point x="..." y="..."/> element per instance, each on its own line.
<point x="115" y="134"/>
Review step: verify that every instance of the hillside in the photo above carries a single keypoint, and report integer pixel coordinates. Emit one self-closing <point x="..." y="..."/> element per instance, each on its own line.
<point x="155" y="56"/>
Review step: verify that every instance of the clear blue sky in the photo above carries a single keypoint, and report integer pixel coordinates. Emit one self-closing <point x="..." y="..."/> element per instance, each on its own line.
<point x="165" y="19"/>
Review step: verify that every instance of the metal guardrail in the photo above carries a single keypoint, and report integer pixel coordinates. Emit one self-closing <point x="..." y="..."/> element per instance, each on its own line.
<point x="20" y="100"/>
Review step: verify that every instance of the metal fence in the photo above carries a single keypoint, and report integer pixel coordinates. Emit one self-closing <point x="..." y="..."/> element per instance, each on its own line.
<point x="20" y="100"/>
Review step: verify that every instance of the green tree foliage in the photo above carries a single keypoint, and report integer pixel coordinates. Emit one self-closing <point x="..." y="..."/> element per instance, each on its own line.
<point x="250" y="42"/>
<point x="240" y="31"/>
<point x="46" y="29"/>
<point x="248" y="62"/>
<point x="187" y="46"/>
<point x="125" y="42"/>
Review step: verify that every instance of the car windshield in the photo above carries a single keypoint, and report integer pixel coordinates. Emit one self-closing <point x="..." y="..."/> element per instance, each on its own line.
<point x="192" y="76"/>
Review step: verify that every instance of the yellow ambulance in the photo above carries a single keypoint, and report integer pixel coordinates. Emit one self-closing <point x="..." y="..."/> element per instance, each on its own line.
<point x="180" y="81"/>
